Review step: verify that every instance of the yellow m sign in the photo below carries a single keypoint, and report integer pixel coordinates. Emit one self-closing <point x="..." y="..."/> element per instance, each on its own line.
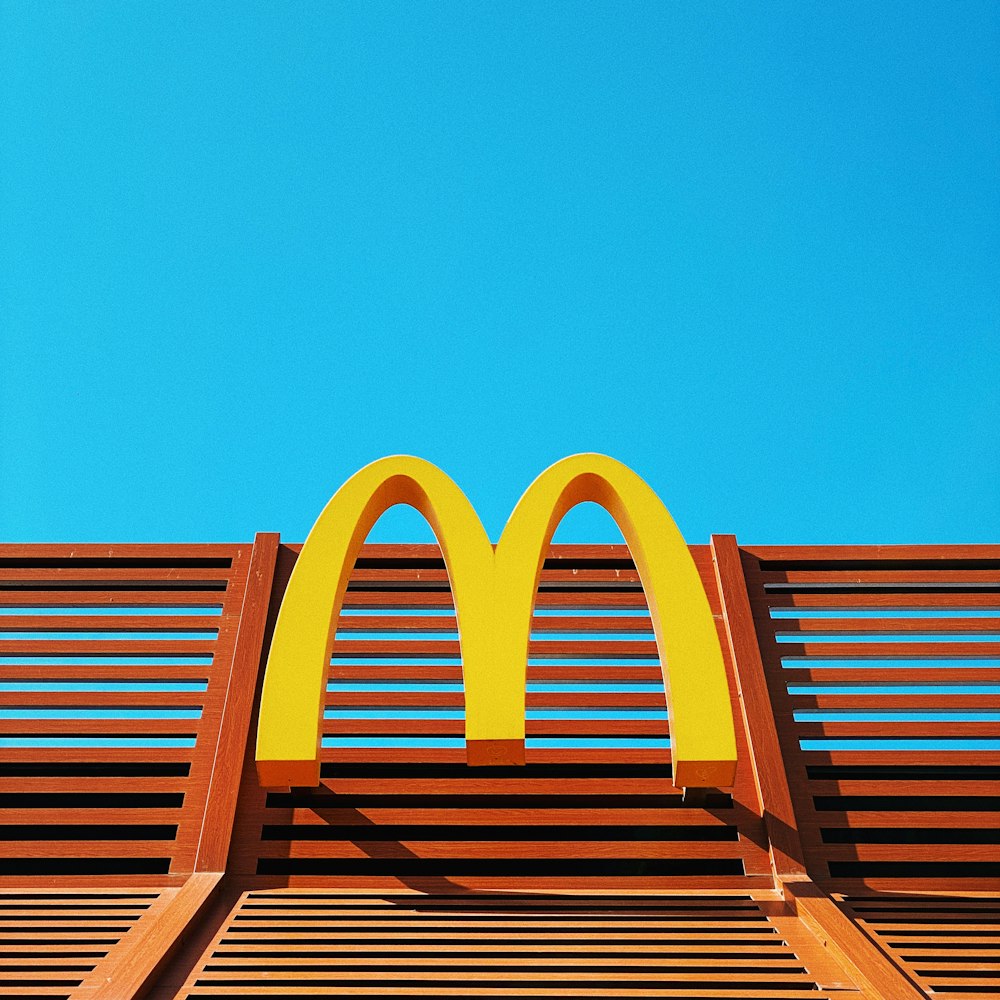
<point x="494" y="594"/>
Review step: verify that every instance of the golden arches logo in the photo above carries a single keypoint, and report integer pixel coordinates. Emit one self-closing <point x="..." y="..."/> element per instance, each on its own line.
<point x="494" y="593"/>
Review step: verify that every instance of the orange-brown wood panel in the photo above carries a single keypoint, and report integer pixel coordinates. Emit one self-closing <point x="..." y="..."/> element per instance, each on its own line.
<point x="473" y="857"/>
<point x="220" y="810"/>
<point x="767" y="765"/>
<point x="330" y="943"/>
<point x="574" y="831"/>
<point x="109" y="748"/>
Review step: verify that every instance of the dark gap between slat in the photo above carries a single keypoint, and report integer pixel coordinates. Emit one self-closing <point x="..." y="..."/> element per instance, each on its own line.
<point x="861" y="565"/>
<point x="140" y="586"/>
<point x="301" y="798"/>
<point x="441" y="965"/>
<point x="909" y="835"/>
<point x="914" y="869"/>
<point x="906" y="803"/>
<point x="500" y="867"/>
<point x="66" y="831"/>
<point x="404" y="771"/>
<point x="91" y="800"/>
<point x="525" y="832"/>
<point x="84" y="866"/>
<point x="95" y="769"/>
<point x="903" y="772"/>
<point x="884" y="588"/>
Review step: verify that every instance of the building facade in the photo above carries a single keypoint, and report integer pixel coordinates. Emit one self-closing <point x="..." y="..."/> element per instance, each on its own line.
<point x="856" y="853"/>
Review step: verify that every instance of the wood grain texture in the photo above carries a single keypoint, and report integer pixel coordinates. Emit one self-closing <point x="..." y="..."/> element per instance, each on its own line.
<point x="401" y="662"/>
<point x="220" y="810"/>
<point x="133" y="964"/>
<point x="758" y="717"/>
<point x="103" y="797"/>
<point x="583" y="873"/>
<point x="329" y="943"/>
<point x="844" y="797"/>
<point x="870" y="966"/>
<point x="948" y="945"/>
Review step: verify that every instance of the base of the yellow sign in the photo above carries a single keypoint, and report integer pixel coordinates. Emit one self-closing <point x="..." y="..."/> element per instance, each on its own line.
<point x="705" y="774"/>
<point x="494" y="753"/>
<point x="288" y="773"/>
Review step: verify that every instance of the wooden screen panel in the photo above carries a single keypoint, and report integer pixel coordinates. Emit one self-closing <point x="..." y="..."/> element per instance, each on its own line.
<point x="593" y="808"/>
<point x="887" y="707"/>
<point x="114" y="663"/>
<point x="50" y="941"/>
<point x="949" y="945"/>
<point x="328" y="943"/>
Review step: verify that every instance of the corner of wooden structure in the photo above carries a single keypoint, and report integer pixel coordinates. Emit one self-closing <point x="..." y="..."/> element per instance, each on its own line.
<point x="850" y="949"/>
<point x="767" y="763"/>
<point x="130" y="967"/>
<point x="878" y="975"/>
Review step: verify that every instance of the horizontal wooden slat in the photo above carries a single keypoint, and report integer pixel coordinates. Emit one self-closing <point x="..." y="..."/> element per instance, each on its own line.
<point x="475" y="782"/>
<point x="538" y="648"/>
<point x="557" y="575"/>
<point x="631" y="624"/>
<point x="90" y="598"/>
<point x="574" y="673"/>
<point x="882" y="702"/>
<point x="957" y="853"/>
<point x="112" y="623"/>
<point x="118" y="550"/>
<point x="42" y="785"/>
<point x="860" y="553"/>
<point x="109" y="647"/>
<point x="883" y="650"/>
<point x="930" y="674"/>
<point x="762" y="602"/>
<point x="139" y="728"/>
<point x="109" y="673"/>
<point x="868" y="626"/>
<point x="95" y="814"/>
<point x="896" y="730"/>
<point x="651" y="728"/>
<point x="883" y="786"/>
<point x="102" y="700"/>
<point x="849" y="576"/>
<point x="132" y="848"/>
<point x="455" y="699"/>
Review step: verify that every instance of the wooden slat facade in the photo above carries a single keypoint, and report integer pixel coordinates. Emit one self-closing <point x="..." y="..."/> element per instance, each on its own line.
<point x="855" y="855"/>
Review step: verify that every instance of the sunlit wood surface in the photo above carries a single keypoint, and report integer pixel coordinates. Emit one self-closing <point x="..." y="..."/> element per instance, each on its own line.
<point x="141" y="857"/>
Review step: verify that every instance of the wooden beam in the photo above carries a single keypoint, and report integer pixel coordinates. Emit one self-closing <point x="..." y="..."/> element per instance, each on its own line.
<point x="868" y="965"/>
<point x="766" y="760"/>
<point x="224" y="786"/>
<point x="131" y="967"/>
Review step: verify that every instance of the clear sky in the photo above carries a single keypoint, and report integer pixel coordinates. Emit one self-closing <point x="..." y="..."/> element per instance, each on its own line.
<point x="749" y="249"/>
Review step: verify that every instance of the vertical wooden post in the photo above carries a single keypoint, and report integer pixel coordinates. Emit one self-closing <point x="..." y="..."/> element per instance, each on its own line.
<point x="758" y="716"/>
<point x="867" y="965"/>
<point x="224" y="786"/>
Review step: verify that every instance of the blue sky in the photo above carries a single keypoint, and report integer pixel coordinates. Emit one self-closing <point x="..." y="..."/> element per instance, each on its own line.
<point x="749" y="249"/>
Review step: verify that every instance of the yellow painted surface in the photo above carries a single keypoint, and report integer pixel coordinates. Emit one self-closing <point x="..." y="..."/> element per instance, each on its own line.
<point x="494" y="596"/>
<point x="298" y="665"/>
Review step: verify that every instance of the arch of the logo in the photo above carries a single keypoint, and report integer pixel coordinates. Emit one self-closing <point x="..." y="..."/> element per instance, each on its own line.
<point x="494" y="593"/>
